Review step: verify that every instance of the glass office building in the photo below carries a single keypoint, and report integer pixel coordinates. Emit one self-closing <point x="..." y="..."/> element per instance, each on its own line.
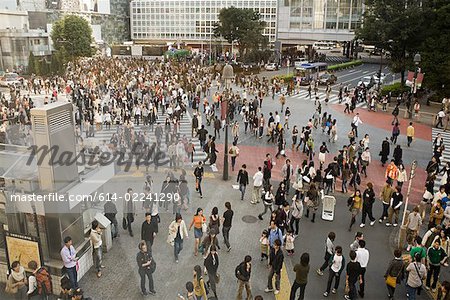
<point x="307" y="21"/>
<point x="190" y="21"/>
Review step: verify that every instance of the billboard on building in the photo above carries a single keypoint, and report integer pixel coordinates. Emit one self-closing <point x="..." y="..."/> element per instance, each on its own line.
<point x="100" y="6"/>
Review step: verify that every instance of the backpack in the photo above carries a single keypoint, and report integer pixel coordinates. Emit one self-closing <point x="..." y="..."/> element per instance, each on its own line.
<point x="430" y="239"/>
<point x="44" y="282"/>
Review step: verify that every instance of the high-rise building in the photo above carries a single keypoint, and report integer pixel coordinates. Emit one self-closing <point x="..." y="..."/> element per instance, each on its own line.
<point x="190" y="22"/>
<point x="307" y="21"/>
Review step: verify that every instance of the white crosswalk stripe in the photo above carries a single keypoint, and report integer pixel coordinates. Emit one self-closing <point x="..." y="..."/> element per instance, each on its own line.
<point x="185" y="129"/>
<point x="334" y="99"/>
<point x="445" y="154"/>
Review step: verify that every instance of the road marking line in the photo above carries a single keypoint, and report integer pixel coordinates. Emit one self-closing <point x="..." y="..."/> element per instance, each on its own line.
<point x="285" y="285"/>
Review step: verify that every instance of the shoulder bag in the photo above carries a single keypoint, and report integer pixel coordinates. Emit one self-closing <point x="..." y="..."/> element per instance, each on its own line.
<point x="392" y="280"/>
<point x="419" y="288"/>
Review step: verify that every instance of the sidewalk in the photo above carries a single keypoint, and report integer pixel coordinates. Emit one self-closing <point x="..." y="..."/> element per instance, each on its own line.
<point x="384" y="121"/>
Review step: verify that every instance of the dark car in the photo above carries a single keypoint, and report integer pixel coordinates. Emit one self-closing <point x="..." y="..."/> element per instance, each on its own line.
<point x="250" y="69"/>
<point x="325" y="79"/>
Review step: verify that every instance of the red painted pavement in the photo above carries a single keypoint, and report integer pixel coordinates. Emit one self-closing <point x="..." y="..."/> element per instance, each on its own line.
<point x="253" y="157"/>
<point x="384" y="121"/>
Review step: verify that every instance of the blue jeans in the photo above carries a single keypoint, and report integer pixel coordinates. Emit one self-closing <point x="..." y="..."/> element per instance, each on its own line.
<point x="242" y="188"/>
<point x="177" y="247"/>
<point x="73" y="277"/>
<point x="411" y="293"/>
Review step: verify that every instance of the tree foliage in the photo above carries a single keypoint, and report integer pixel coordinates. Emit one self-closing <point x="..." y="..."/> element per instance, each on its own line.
<point x="406" y="27"/>
<point x="395" y="26"/>
<point x="435" y="48"/>
<point x="72" y="37"/>
<point x="242" y="25"/>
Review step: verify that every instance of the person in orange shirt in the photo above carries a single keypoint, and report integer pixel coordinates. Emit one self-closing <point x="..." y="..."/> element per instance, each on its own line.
<point x="391" y="172"/>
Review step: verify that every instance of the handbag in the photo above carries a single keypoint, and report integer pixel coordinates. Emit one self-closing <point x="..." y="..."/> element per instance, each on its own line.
<point x="306" y="179"/>
<point x="427" y="195"/>
<point x="9" y="286"/>
<point x="204" y="227"/>
<point x="391" y="281"/>
<point x="217" y="278"/>
<point x="346" y="289"/>
<point x="124" y="223"/>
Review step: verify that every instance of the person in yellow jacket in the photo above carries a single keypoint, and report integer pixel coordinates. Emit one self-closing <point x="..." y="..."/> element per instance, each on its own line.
<point x="199" y="284"/>
<point x="410" y="133"/>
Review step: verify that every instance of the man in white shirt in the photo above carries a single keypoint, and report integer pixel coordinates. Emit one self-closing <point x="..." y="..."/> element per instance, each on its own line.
<point x="355" y="123"/>
<point x="257" y="184"/>
<point x="362" y="256"/>
<point x="277" y="118"/>
<point x="337" y="266"/>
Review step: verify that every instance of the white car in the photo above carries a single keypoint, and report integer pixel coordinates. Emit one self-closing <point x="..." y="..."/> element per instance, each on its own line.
<point x="367" y="81"/>
<point x="381" y="80"/>
<point x="10" y="79"/>
<point x="271" y="67"/>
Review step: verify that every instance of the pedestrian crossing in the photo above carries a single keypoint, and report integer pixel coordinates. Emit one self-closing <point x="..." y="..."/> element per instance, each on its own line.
<point x="105" y="135"/>
<point x="445" y="154"/>
<point x="333" y="99"/>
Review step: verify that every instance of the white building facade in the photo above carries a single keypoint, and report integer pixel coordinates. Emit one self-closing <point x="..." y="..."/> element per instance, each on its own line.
<point x="190" y="21"/>
<point x="307" y="21"/>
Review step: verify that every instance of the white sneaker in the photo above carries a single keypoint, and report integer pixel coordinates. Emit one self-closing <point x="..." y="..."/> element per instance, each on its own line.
<point x="395" y="224"/>
<point x="319" y="272"/>
<point x="267" y="290"/>
<point x="362" y="225"/>
<point x="388" y="224"/>
<point x="333" y="291"/>
<point x="276" y="292"/>
<point x="372" y="223"/>
<point x="325" y="294"/>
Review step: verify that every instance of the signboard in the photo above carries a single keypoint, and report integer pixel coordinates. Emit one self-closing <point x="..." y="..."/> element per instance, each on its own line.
<point x="22" y="248"/>
<point x="136" y="50"/>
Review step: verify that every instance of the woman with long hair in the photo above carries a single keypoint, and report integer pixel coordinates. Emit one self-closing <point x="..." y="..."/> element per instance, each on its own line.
<point x="197" y="221"/>
<point x="199" y="284"/>
<point x="355" y="204"/>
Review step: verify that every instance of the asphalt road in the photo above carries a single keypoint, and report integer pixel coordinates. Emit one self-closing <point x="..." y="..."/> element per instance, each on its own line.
<point x="349" y="77"/>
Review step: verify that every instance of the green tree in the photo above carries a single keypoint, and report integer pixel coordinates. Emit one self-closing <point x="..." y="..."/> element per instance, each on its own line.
<point x="31" y="64"/>
<point x="72" y="37"/>
<point x="242" y="25"/>
<point x="435" y="48"/>
<point x="396" y="26"/>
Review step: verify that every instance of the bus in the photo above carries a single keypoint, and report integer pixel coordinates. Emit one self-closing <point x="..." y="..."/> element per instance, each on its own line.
<point x="324" y="45"/>
<point x="307" y="73"/>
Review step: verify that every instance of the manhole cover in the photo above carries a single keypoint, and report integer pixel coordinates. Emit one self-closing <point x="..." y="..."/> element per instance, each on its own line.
<point x="249" y="219"/>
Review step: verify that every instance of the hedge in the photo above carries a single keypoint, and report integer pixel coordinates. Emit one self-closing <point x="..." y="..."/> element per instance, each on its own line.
<point x="286" y="78"/>
<point x="345" y="65"/>
<point x="395" y="89"/>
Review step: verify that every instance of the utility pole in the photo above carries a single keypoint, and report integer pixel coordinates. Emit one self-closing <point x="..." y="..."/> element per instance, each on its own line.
<point x="402" y="231"/>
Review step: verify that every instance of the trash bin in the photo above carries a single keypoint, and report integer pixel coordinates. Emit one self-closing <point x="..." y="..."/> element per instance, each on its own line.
<point x="105" y="225"/>
<point x="328" y="205"/>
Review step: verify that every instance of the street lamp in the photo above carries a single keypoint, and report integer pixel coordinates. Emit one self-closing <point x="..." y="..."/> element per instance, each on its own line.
<point x="417" y="59"/>
<point x="227" y="75"/>
<point x="402" y="231"/>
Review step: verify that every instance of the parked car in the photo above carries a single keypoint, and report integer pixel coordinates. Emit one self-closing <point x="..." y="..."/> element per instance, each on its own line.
<point x="271" y="67"/>
<point x="325" y="79"/>
<point x="10" y="79"/>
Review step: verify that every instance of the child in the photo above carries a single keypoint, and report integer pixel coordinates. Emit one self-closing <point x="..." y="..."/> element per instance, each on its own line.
<point x="290" y="242"/>
<point x="264" y="241"/>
